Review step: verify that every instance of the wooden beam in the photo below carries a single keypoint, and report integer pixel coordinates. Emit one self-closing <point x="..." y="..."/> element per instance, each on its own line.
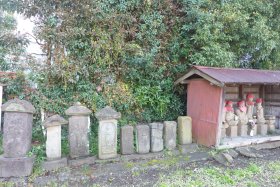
<point x="220" y="120"/>
<point x="241" y="92"/>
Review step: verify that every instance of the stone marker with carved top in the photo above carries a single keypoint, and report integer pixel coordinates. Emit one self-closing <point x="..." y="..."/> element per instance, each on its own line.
<point x="18" y="117"/>
<point x="53" y="143"/>
<point x="107" y="132"/>
<point x="79" y="123"/>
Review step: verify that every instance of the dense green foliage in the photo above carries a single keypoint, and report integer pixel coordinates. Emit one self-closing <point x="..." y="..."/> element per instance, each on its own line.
<point x="12" y="45"/>
<point x="127" y="54"/>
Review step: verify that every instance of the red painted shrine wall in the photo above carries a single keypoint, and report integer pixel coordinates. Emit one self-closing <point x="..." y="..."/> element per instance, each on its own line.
<point x="203" y="106"/>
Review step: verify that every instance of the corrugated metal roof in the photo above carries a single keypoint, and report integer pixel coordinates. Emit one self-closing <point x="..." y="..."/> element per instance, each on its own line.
<point x="233" y="75"/>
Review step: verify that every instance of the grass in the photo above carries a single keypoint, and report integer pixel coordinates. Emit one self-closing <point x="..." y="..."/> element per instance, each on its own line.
<point x="255" y="174"/>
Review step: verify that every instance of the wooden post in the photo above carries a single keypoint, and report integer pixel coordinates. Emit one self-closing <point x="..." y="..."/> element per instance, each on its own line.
<point x="220" y="120"/>
<point x="1" y="95"/>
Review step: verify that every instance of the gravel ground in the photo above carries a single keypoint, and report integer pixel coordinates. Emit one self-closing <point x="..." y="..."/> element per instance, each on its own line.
<point x="168" y="171"/>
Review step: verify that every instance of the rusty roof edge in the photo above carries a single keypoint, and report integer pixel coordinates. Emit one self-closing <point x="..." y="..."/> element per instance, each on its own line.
<point x="195" y="70"/>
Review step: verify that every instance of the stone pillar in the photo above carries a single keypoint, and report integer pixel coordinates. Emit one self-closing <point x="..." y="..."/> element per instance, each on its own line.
<point x="127" y="143"/>
<point x="17" y="137"/>
<point x="142" y="139"/>
<point x="184" y="130"/>
<point x="53" y="143"/>
<point x="270" y="121"/>
<point x="170" y="134"/>
<point x="107" y="132"/>
<point x="156" y="137"/>
<point x="79" y="124"/>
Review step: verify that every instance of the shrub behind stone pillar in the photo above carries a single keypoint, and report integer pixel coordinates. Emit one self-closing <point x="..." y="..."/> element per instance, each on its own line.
<point x="53" y="143"/>
<point x="185" y="130"/>
<point x="79" y="123"/>
<point x="107" y="132"/>
<point x="17" y="137"/>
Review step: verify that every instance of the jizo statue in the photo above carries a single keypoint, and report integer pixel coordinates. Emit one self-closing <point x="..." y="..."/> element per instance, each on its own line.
<point x="250" y="105"/>
<point x="260" y="113"/>
<point x="241" y="112"/>
<point x="230" y="119"/>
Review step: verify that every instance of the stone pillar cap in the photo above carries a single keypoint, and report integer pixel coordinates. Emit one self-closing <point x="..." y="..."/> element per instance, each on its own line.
<point x="17" y="105"/>
<point x="107" y="113"/>
<point x="54" y="120"/>
<point x="78" y="110"/>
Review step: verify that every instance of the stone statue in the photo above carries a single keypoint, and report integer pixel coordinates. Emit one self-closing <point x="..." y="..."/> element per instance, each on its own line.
<point x="230" y="117"/>
<point x="260" y="113"/>
<point x="230" y="120"/>
<point x="250" y="105"/>
<point x="241" y="112"/>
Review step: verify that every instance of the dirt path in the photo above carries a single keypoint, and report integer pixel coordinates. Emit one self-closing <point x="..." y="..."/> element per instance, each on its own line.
<point x="158" y="171"/>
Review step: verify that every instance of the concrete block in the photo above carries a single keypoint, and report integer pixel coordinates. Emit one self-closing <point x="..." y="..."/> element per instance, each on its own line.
<point x="82" y="161"/>
<point x="16" y="167"/>
<point x="156" y="137"/>
<point x="242" y="130"/>
<point x="262" y="129"/>
<point x="231" y="131"/>
<point x="142" y="139"/>
<point x="50" y="165"/>
<point x="127" y="140"/>
<point x="184" y="130"/>
<point x="170" y="134"/>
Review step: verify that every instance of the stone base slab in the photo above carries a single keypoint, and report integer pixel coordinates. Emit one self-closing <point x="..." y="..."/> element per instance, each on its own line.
<point x="231" y="131"/>
<point x="54" y="164"/>
<point x="271" y="128"/>
<point x="188" y="148"/>
<point x="16" y="167"/>
<point x="242" y="130"/>
<point x="262" y="129"/>
<point x="81" y="161"/>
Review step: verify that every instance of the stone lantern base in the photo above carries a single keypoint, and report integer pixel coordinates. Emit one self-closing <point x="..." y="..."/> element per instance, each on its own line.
<point x="242" y="130"/>
<point x="231" y="131"/>
<point x="262" y="129"/>
<point x="16" y="167"/>
<point x="49" y="165"/>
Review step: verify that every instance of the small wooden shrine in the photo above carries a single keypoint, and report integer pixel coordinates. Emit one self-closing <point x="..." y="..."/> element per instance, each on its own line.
<point x="232" y="107"/>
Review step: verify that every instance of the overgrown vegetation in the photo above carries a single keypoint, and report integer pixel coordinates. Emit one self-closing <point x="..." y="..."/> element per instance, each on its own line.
<point x="127" y="54"/>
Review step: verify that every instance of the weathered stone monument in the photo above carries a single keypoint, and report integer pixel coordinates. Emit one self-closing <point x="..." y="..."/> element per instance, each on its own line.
<point x="79" y="127"/>
<point x="107" y="132"/>
<point x="127" y="142"/>
<point x="184" y="130"/>
<point x="142" y="139"/>
<point x="270" y="121"/>
<point x="53" y="143"/>
<point x="156" y="137"/>
<point x="170" y="134"/>
<point x="18" y="117"/>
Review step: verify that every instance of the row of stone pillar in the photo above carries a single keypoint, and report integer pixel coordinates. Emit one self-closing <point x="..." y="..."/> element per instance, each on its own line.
<point x="18" y="134"/>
